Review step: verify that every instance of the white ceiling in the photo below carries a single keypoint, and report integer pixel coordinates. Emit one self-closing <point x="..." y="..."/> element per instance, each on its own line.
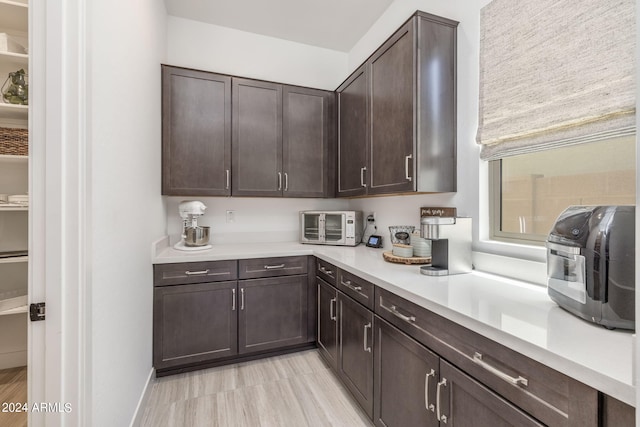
<point x="332" y="24"/>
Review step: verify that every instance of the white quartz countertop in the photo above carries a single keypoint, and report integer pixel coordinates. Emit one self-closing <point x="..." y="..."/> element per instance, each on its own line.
<point x="516" y="314"/>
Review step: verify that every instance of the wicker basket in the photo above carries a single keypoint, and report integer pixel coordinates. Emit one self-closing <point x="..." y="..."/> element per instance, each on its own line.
<point x="14" y="141"/>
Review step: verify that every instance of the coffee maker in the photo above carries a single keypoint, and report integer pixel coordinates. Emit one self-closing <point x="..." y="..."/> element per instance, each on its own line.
<point x="450" y="245"/>
<point x="194" y="237"/>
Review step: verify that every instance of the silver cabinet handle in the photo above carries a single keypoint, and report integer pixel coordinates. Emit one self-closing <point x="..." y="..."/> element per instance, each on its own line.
<point x="273" y="267"/>
<point x="227" y="179"/>
<point x="365" y="338"/>
<point x="193" y="273"/>
<point x="350" y="286"/>
<point x="394" y="310"/>
<point x="241" y="298"/>
<point x="233" y="300"/>
<point x="332" y="310"/>
<point x="325" y="270"/>
<point x="477" y="358"/>
<point x="428" y="405"/>
<point x="286" y="181"/>
<point x="439" y="416"/>
<point x="406" y="166"/>
<point x="279" y="181"/>
<point x="362" y="171"/>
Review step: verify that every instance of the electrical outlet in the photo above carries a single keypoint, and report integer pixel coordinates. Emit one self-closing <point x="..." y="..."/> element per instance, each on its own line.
<point x="231" y="216"/>
<point x="371" y="217"/>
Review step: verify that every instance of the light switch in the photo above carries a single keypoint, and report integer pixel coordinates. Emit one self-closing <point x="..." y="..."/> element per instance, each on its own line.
<point x="231" y="216"/>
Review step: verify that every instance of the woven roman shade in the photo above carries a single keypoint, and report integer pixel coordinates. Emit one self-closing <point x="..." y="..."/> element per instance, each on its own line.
<point x="555" y="73"/>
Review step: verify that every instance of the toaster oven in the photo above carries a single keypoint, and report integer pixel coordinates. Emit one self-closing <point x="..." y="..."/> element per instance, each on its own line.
<point x="342" y="228"/>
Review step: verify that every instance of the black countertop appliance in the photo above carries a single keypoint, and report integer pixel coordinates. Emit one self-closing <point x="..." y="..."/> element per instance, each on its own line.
<point x="591" y="264"/>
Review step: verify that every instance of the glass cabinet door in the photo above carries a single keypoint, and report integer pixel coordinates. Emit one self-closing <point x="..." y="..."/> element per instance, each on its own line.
<point x="312" y="226"/>
<point x="334" y="227"/>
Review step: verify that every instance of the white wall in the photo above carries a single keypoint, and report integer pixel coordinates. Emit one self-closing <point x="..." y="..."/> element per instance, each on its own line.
<point x="256" y="219"/>
<point x="127" y="43"/>
<point x="224" y="50"/>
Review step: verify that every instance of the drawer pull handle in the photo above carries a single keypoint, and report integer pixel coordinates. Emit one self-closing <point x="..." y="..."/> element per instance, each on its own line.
<point x="365" y="339"/>
<point x="325" y="270"/>
<point x="477" y="358"/>
<point x="273" y="267"/>
<point x="406" y="167"/>
<point x="233" y="300"/>
<point x="332" y="310"/>
<point x="394" y="310"/>
<point x="429" y="406"/>
<point x="241" y="298"/>
<point x="362" y="171"/>
<point x="193" y="273"/>
<point x="439" y="416"/>
<point x="350" y="286"/>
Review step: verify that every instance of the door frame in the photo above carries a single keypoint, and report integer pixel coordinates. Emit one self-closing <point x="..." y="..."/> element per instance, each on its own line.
<point x="59" y="356"/>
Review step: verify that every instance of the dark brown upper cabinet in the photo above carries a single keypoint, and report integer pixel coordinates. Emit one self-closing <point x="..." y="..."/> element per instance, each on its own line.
<point x="308" y="135"/>
<point x="282" y="138"/>
<point x="196" y="133"/>
<point x="353" y="134"/>
<point x="257" y="138"/>
<point x="409" y="105"/>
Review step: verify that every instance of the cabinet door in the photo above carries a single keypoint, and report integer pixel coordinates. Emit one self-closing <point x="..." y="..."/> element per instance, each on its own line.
<point x="355" y="356"/>
<point x="392" y="113"/>
<point x="352" y="135"/>
<point x="196" y="133"/>
<point x="328" y="322"/>
<point x="257" y="138"/>
<point x="406" y="375"/>
<point x="307" y="132"/>
<point x="466" y="402"/>
<point x="273" y="313"/>
<point x="194" y="323"/>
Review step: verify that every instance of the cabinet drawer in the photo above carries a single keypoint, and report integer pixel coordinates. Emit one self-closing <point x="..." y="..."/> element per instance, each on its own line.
<point x="326" y="271"/>
<point x="357" y="288"/>
<point x="271" y="267"/>
<point x="194" y="272"/>
<point x="548" y="395"/>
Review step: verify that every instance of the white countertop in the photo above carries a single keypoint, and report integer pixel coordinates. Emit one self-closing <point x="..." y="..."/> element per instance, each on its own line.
<point x="518" y="315"/>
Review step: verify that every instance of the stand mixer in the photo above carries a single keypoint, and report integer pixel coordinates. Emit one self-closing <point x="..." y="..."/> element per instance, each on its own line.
<point x="194" y="237"/>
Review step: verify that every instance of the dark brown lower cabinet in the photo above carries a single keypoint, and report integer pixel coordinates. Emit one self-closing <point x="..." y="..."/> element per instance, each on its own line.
<point x="415" y="387"/>
<point x="194" y="323"/>
<point x="405" y="372"/>
<point x="272" y="313"/>
<point x="355" y="354"/>
<point x="462" y="401"/>
<point x="328" y="322"/>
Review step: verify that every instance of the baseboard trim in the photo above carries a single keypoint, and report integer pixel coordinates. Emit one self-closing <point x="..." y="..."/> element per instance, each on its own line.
<point x="144" y="398"/>
<point x="13" y="360"/>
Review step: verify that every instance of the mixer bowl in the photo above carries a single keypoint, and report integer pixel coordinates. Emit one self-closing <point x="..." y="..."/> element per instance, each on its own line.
<point x="196" y="236"/>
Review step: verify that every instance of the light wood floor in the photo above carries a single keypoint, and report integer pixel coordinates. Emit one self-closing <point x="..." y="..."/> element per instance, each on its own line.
<point x="294" y="390"/>
<point x="13" y="389"/>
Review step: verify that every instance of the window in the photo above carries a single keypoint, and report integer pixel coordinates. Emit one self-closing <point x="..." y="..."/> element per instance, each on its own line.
<point x="529" y="191"/>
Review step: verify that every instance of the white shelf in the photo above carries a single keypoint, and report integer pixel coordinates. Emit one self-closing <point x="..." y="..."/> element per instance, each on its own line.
<point x="14" y="16"/>
<point x="16" y="310"/>
<point x="12" y="208"/>
<point x="7" y="158"/>
<point x="14" y="260"/>
<point x="14" y="111"/>
<point x="13" y="305"/>
<point x="18" y="59"/>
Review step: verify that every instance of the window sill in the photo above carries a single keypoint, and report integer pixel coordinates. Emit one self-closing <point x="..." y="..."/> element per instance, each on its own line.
<point x="517" y="261"/>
